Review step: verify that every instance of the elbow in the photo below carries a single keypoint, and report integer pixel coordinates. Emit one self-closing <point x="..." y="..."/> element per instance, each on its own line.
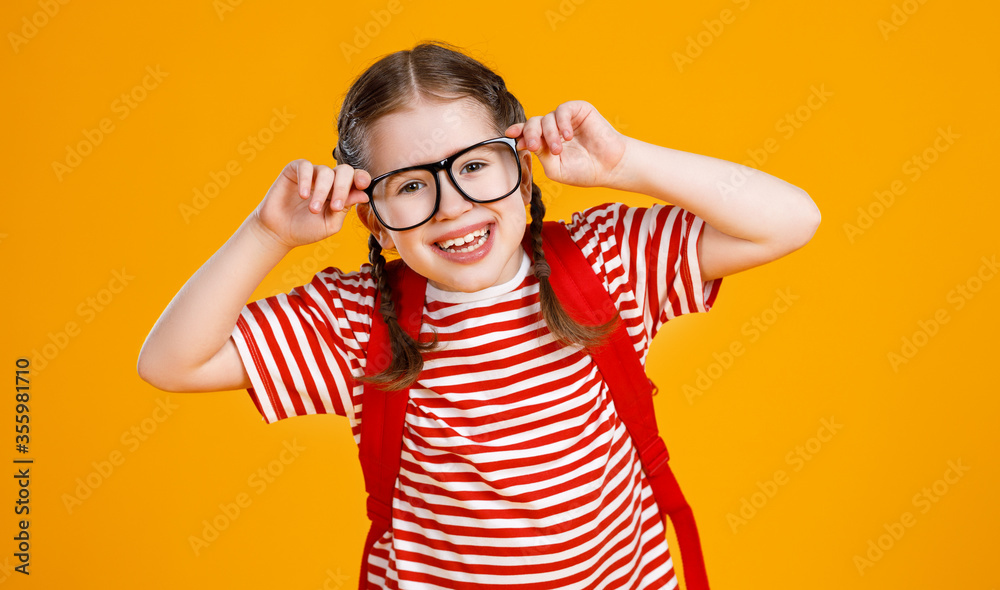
<point x="154" y="375"/>
<point x="147" y="373"/>
<point x="811" y="220"/>
<point x="797" y="228"/>
<point x="803" y="223"/>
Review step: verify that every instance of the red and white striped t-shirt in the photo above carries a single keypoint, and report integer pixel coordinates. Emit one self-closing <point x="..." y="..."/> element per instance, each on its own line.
<point x="516" y="470"/>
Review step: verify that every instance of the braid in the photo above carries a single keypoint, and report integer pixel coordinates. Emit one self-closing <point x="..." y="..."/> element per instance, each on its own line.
<point x="562" y="326"/>
<point x="407" y="361"/>
<point x="542" y="269"/>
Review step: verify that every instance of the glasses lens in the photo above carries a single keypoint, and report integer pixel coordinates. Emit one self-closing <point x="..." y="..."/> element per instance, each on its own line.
<point x="405" y="198"/>
<point x="487" y="172"/>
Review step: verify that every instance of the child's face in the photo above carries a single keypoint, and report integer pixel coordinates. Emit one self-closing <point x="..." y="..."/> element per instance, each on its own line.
<point x="432" y="131"/>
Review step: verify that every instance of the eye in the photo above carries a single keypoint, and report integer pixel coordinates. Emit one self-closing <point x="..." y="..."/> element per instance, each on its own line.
<point x="410" y="187"/>
<point x="473" y="167"/>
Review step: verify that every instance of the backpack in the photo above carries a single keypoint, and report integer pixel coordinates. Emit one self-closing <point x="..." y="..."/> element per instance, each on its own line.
<point x="584" y="297"/>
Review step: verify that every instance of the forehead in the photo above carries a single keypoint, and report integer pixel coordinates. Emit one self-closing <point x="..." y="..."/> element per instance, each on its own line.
<point x="427" y="131"/>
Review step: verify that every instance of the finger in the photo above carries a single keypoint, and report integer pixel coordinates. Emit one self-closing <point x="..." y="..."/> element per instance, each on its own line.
<point x="564" y="120"/>
<point x="303" y="176"/>
<point x="362" y="179"/>
<point x="531" y="134"/>
<point x="357" y="196"/>
<point x="514" y="130"/>
<point x="551" y="133"/>
<point x="324" y="180"/>
<point x="342" y="181"/>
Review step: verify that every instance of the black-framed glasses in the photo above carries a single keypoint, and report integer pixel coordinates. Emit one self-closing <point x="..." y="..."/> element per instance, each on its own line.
<point x="483" y="173"/>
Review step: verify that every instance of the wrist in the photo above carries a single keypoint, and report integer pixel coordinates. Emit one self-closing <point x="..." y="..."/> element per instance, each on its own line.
<point x="264" y="237"/>
<point x="627" y="173"/>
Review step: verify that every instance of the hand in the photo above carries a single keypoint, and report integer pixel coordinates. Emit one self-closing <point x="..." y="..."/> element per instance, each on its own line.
<point x="308" y="203"/>
<point x="574" y="144"/>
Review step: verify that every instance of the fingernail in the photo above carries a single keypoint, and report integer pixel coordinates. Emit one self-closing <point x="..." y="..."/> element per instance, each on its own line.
<point x="338" y="205"/>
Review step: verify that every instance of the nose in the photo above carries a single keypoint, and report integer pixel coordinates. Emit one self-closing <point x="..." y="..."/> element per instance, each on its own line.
<point x="453" y="204"/>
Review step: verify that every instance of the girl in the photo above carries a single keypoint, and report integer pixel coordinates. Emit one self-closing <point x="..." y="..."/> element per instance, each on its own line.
<point x="516" y="470"/>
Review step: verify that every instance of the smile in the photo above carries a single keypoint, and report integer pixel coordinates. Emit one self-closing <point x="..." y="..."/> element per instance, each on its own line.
<point x="473" y="239"/>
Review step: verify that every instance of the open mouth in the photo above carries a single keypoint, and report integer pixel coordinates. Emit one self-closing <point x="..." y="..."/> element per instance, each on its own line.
<point x="467" y="243"/>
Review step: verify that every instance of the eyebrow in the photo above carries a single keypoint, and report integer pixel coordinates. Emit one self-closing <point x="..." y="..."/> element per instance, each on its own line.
<point x="438" y="160"/>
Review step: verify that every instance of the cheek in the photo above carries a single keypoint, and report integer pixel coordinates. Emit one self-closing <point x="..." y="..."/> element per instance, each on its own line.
<point x="517" y="213"/>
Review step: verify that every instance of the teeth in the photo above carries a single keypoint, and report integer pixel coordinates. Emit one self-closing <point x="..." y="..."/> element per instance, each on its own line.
<point x="462" y="240"/>
<point x="467" y="239"/>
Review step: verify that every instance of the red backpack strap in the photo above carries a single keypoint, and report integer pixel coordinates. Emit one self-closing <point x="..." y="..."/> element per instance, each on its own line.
<point x="383" y="412"/>
<point x="585" y="298"/>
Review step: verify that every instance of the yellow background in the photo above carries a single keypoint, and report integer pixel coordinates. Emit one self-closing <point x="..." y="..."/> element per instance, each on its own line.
<point x="824" y="356"/>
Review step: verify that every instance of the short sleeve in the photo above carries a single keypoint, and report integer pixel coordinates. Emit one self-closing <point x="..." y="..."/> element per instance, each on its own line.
<point x="648" y="260"/>
<point x="302" y="350"/>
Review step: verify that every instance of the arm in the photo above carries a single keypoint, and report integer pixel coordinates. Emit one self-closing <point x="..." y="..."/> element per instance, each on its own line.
<point x="190" y="347"/>
<point x="751" y="217"/>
